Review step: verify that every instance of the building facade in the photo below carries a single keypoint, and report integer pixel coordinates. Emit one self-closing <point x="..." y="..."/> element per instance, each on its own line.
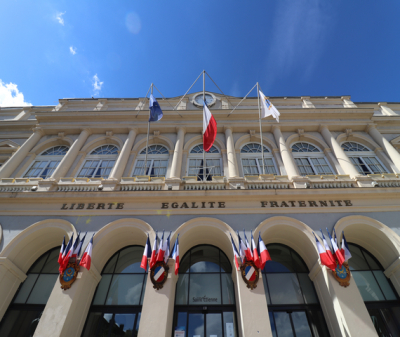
<point x="80" y="167"/>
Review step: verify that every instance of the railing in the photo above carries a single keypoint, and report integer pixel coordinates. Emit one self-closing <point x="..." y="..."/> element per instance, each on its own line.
<point x="79" y="184"/>
<point x="386" y="179"/>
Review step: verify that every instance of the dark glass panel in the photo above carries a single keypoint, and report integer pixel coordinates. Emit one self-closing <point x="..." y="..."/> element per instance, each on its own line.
<point x="110" y="266"/>
<point x="229" y="324"/>
<point x="371" y="261"/>
<point x="300" y="323"/>
<point x="184" y="265"/>
<point x="51" y="265"/>
<point x="125" y="290"/>
<point x="307" y="287"/>
<point x="384" y="285"/>
<point x="42" y="289"/>
<point x="283" y="325"/>
<point x="204" y="289"/>
<point x="181" y="322"/>
<point x="378" y="322"/>
<point x="196" y="325"/>
<point x="281" y="259"/>
<point x="26" y="288"/>
<point x="225" y="264"/>
<point x="129" y="261"/>
<point x="317" y="323"/>
<point x="284" y="289"/>
<point x="20" y="322"/>
<point x="92" y="324"/>
<point x="298" y="263"/>
<point x="367" y="286"/>
<point x="228" y="293"/>
<point x="272" y="322"/>
<point x="137" y="324"/>
<point x="214" y="325"/>
<point x="123" y="325"/>
<point x="391" y="321"/>
<point x="182" y="289"/>
<point x="38" y="265"/>
<point x="204" y="259"/>
<point x="102" y="289"/>
<point x="357" y="261"/>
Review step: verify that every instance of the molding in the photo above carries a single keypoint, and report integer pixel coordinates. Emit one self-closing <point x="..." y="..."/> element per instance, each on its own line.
<point x="13" y="269"/>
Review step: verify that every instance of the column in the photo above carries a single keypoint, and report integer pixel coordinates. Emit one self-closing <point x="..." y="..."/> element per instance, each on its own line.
<point x="231" y="154"/>
<point x="341" y="156"/>
<point x="66" y="310"/>
<point x="158" y="307"/>
<point x="177" y="158"/>
<point x="344" y="309"/>
<point x="333" y="161"/>
<point x="384" y="143"/>
<point x="10" y="279"/>
<point x="287" y="158"/>
<point x="69" y="158"/>
<point x="279" y="162"/>
<point x="10" y="166"/>
<point x="120" y="164"/>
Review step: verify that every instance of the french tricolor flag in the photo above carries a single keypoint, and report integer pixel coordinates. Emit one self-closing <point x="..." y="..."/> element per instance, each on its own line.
<point x="235" y="252"/>
<point x="345" y="249"/>
<point x="166" y="254"/>
<point x="328" y="249"/>
<point x="161" y="250"/>
<point x="256" y="258"/>
<point x="175" y="255"/>
<point x="209" y="128"/>
<point x="154" y="252"/>
<point x="263" y="252"/>
<point x="338" y="254"/>
<point x="242" y="248"/>
<point x="68" y="252"/>
<point x="76" y="246"/>
<point x="61" y="256"/>
<point x="248" y="252"/>
<point x="146" y="254"/>
<point x="86" y="259"/>
<point x="325" y="260"/>
<point x="79" y="248"/>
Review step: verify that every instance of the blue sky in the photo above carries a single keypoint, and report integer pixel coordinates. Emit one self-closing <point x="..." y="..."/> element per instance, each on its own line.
<point x="63" y="49"/>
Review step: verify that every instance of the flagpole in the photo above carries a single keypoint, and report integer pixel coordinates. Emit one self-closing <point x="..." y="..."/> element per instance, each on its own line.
<point x="148" y="131"/>
<point x="204" y="102"/>
<point x="259" y="116"/>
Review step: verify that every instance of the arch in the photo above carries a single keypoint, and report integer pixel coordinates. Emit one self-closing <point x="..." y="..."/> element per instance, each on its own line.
<point x="293" y="233"/>
<point x="199" y="139"/>
<point x="117" y="235"/>
<point x="205" y="230"/>
<point x="307" y="138"/>
<point x="35" y="240"/>
<point x="254" y="139"/>
<point x="158" y="140"/>
<point x="38" y="149"/>
<point x="371" y="234"/>
<point x="357" y="138"/>
<point x="103" y="140"/>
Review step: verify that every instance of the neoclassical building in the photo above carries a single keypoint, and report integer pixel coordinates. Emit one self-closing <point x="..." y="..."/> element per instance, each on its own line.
<point x="80" y="167"/>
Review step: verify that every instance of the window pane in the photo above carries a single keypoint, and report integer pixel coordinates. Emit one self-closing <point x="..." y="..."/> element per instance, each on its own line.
<point x="283" y="326"/>
<point x="208" y="258"/>
<point x="42" y="289"/>
<point x="228" y="293"/>
<point x="123" y="325"/>
<point x="357" y="261"/>
<point x="144" y="289"/>
<point x="129" y="261"/>
<point x="37" y="267"/>
<point x="109" y="268"/>
<point x="196" y="325"/>
<point x="125" y="290"/>
<point x="272" y="322"/>
<point x="92" y="324"/>
<point x="371" y="261"/>
<point x="214" y="325"/>
<point x="317" y="323"/>
<point x="367" y="286"/>
<point x="26" y="288"/>
<point x="300" y="324"/>
<point x="101" y="293"/>
<point x="205" y="289"/>
<point x="20" y="323"/>
<point x="378" y="322"/>
<point x="51" y="265"/>
<point x="284" y="289"/>
<point x="230" y="324"/>
<point x="281" y="260"/>
<point x="385" y="286"/>
<point x="264" y="277"/>
<point x="392" y="322"/>
<point x="181" y="321"/>
<point x="269" y="166"/>
<point x="308" y="289"/>
<point x="225" y="264"/>
<point x="182" y="288"/>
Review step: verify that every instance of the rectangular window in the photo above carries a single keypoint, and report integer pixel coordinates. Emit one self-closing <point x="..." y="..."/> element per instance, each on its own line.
<point x="368" y="165"/>
<point x="213" y="168"/>
<point x="253" y="166"/>
<point x="42" y="169"/>
<point x="96" y="169"/>
<point x="313" y="166"/>
<point x="155" y="168"/>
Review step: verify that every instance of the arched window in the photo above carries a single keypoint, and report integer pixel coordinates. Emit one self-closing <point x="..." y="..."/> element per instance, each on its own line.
<point x="251" y="157"/>
<point x="376" y="290"/>
<point x="118" y="300"/>
<point x="293" y="305"/>
<point x="213" y="162"/>
<point x="45" y="163"/>
<point x="365" y="160"/>
<point x="99" y="163"/>
<point x="310" y="160"/>
<point x="205" y="298"/>
<point x="23" y="315"/>
<point x="157" y="162"/>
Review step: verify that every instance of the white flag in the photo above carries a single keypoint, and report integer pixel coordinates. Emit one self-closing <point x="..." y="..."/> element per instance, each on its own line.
<point x="267" y="108"/>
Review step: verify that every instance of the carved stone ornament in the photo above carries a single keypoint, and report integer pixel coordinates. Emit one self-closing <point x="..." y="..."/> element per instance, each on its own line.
<point x="342" y="274"/>
<point x="69" y="275"/>
<point x="159" y="274"/>
<point x="250" y="274"/>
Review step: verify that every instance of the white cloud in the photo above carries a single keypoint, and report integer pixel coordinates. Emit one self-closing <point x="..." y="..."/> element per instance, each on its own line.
<point x="11" y="96"/>
<point x="59" y="18"/>
<point x="96" y="85"/>
<point x="72" y="50"/>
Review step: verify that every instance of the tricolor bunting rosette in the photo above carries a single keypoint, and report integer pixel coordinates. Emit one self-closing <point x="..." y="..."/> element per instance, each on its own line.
<point x="159" y="274"/>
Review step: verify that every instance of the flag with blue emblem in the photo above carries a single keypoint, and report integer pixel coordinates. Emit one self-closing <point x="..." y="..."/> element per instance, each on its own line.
<point x="267" y="108"/>
<point x="155" y="111"/>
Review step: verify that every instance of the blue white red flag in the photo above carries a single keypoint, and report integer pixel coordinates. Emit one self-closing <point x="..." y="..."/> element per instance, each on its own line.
<point x="248" y="252"/>
<point x="167" y="252"/>
<point x="323" y="256"/>
<point x="175" y="255"/>
<point x="256" y="258"/>
<point x="154" y="252"/>
<point x="209" y="128"/>
<point x="263" y="252"/>
<point x="155" y="110"/>
<point x="328" y="249"/>
<point x="80" y="245"/>
<point x="146" y="254"/>
<point x="345" y="249"/>
<point x="68" y="252"/>
<point x="61" y="256"/>
<point x="335" y="237"/>
<point x="86" y="259"/>
<point x="236" y="254"/>
<point x="75" y="246"/>
<point x="161" y="250"/>
<point x="337" y="252"/>
<point x="242" y="248"/>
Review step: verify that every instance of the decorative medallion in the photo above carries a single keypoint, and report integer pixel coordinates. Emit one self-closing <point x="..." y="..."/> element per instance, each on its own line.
<point x="342" y="274"/>
<point x="159" y="274"/>
<point x="69" y="275"/>
<point x="250" y="274"/>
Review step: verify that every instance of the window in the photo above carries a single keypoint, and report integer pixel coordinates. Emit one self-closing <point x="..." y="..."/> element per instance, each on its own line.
<point x="213" y="163"/>
<point x="251" y="157"/>
<point x="99" y="163"/>
<point x="363" y="159"/>
<point x="118" y="300"/>
<point x="23" y="315"/>
<point x="45" y="163"/>
<point x="310" y="160"/>
<point x="293" y="305"/>
<point x="205" y="297"/>
<point x="157" y="162"/>
<point x="376" y="290"/>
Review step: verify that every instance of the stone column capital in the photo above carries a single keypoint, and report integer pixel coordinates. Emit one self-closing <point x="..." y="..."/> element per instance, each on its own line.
<point x="369" y="127"/>
<point x="226" y="128"/>
<point x="136" y="130"/>
<point x="180" y="128"/>
<point x="38" y="129"/>
<point x="88" y="130"/>
<point x="275" y="127"/>
<point x="322" y="127"/>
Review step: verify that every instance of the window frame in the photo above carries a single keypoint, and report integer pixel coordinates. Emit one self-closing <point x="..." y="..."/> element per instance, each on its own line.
<point x="100" y="158"/>
<point x="151" y="158"/>
<point x="209" y="156"/>
<point x="258" y="157"/>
